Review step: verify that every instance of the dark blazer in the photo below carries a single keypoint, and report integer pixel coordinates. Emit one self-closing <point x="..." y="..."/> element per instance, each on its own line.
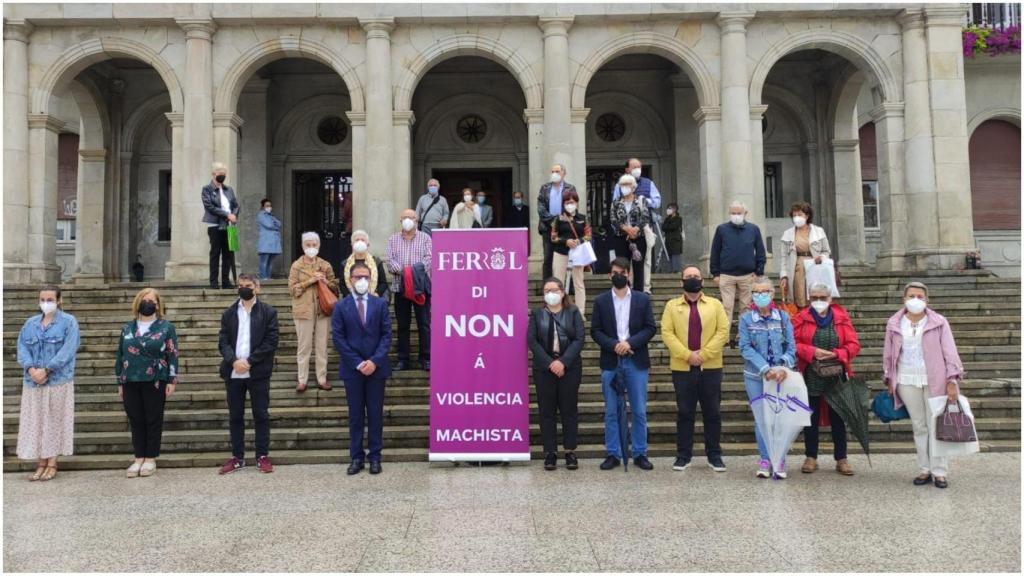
<point x="544" y="205"/>
<point x="263" y="334"/>
<point x="518" y="217"/>
<point x="214" y="214"/>
<point x="641" y="328"/>
<point x="570" y="342"/>
<point x="356" y="342"/>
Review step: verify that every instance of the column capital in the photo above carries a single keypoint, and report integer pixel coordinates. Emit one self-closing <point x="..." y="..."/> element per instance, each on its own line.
<point x="356" y="118"/>
<point x="17" y="29"/>
<point x="887" y="110"/>
<point x="844" y="145"/>
<point x="533" y="115"/>
<point x="94" y="155"/>
<point x="757" y="112"/>
<point x="227" y="120"/>
<point x="944" y="14"/>
<point x="197" y="28"/>
<point x="555" y="25"/>
<point x="377" y="27"/>
<point x="706" y="114"/>
<point x="579" y="115"/>
<point x="734" y="22"/>
<point x="46" y="121"/>
<point x="177" y="119"/>
<point x="403" y="117"/>
<point x="911" y="19"/>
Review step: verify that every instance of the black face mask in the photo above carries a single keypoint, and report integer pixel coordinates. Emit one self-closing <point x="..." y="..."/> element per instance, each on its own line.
<point x="147" y="308"/>
<point x="619" y="281"/>
<point x="220" y="178"/>
<point x="693" y="285"/>
<point x="245" y="293"/>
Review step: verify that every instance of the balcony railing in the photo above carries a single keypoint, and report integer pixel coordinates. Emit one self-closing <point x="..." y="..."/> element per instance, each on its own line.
<point x="996" y="16"/>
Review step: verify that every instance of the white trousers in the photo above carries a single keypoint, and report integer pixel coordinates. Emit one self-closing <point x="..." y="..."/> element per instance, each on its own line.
<point x="923" y="420"/>
<point x="650" y="237"/>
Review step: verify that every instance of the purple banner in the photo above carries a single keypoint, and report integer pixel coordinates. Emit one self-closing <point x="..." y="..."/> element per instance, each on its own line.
<point x="479" y="385"/>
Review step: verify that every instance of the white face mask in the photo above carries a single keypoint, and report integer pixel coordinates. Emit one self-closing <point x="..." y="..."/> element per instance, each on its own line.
<point x="556" y="177"/>
<point x="362" y="285"/>
<point x="626" y="190"/>
<point x="570" y="208"/>
<point x="799" y="221"/>
<point x="635" y="172"/>
<point x="915" y="305"/>
<point x="47" y="307"/>
<point x="408" y="224"/>
<point x="359" y="247"/>
<point x="737" y="219"/>
<point x="268" y="209"/>
<point x="311" y="252"/>
<point x="552" y="298"/>
<point x="467" y="198"/>
<point x="819" y="306"/>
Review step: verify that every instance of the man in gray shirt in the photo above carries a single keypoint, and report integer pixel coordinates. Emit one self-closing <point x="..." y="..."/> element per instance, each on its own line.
<point x="432" y="208"/>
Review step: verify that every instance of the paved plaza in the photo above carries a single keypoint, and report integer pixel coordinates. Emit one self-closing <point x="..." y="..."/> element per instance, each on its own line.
<point x="416" y="517"/>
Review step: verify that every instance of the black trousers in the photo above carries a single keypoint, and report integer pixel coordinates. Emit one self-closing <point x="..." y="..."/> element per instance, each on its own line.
<point x="144" y="404"/>
<point x="838" y="430"/>
<point x="636" y="266"/>
<point x="548" y="254"/>
<point x="704" y="386"/>
<point x="219" y="252"/>
<point x="259" y="398"/>
<point x="559" y="396"/>
<point x="403" y="311"/>
<point x="365" y="396"/>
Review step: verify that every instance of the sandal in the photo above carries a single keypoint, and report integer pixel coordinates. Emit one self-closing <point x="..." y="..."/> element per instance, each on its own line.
<point x="49" y="474"/>
<point x="38" y="474"/>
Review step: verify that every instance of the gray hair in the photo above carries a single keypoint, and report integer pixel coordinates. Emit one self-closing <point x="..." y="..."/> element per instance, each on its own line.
<point x="310" y="236"/>
<point x="627" y="179"/>
<point x="360" y="233"/>
<point x="763" y="281"/>
<point x="919" y="285"/>
<point x="218" y="166"/>
<point x="820" y="287"/>
<point x="737" y="204"/>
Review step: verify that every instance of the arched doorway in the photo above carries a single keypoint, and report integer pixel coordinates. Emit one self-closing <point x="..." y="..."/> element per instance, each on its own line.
<point x="995" y="194"/>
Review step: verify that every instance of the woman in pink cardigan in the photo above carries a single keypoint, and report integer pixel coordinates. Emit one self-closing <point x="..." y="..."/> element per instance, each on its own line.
<point x="920" y="362"/>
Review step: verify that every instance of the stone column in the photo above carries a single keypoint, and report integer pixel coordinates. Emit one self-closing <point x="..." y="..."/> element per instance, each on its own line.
<point x="689" y="156"/>
<point x="848" y="247"/>
<point x="16" y="151"/>
<point x="538" y="176"/>
<point x="226" y="127"/>
<point x="43" y="130"/>
<point x="405" y="189"/>
<point x="892" y="200"/>
<point x="376" y="210"/>
<point x="757" y="181"/>
<point x="579" y="154"/>
<point x="189" y="261"/>
<point x="738" y="179"/>
<point x="709" y="127"/>
<point x="252" y="174"/>
<point x="558" y="134"/>
<point x="89" y="241"/>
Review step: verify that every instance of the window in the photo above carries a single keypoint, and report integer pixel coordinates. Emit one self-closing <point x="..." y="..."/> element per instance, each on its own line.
<point x="773" y="190"/>
<point x="163" y="233"/>
<point x="66" y="230"/>
<point x="869" y="191"/>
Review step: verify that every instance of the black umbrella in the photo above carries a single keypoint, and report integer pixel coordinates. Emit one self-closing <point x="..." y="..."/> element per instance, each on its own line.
<point x="851" y="399"/>
<point x="619" y="386"/>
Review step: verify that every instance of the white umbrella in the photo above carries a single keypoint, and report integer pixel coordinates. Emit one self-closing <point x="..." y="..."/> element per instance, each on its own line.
<point x="784" y="414"/>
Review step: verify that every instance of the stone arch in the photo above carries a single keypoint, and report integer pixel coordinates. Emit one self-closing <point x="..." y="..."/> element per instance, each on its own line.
<point x="1005" y="113"/>
<point x="85" y="54"/>
<point x="660" y="138"/>
<point x="502" y="112"/>
<point x="795" y="108"/>
<point x="467" y="45"/>
<point x="648" y="43"/>
<point x="283" y="132"/>
<point x="284" y="47"/>
<point x="140" y="119"/>
<point x="854" y="49"/>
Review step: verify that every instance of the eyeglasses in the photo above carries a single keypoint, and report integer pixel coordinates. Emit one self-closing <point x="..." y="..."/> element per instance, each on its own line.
<point x="819" y="298"/>
<point x="764" y="292"/>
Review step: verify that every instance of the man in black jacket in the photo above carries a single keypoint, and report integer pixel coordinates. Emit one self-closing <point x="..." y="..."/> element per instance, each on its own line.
<point x="622" y="323"/>
<point x="221" y="209"/>
<point x="549" y="206"/>
<point x="248" y="340"/>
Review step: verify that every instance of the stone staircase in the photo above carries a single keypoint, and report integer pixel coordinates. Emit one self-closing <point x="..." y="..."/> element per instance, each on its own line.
<point x="312" y="428"/>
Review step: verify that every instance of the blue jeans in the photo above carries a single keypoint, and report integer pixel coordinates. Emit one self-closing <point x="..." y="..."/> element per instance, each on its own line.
<point x="266" y="263"/>
<point x="755" y="387"/>
<point x="636" y="382"/>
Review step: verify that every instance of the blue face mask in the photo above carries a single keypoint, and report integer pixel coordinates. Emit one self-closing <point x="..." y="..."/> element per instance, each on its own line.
<point x="432" y="190"/>
<point x="762" y="300"/>
<point x="517" y="202"/>
<point x="481" y="199"/>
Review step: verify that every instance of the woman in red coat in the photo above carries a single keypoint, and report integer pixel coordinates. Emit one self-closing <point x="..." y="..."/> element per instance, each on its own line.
<point x="823" y="332"/>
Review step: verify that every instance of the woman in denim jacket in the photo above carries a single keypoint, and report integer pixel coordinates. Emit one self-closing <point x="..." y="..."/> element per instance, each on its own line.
<point x="767" y="344"/>
<point x="47" y="345"/>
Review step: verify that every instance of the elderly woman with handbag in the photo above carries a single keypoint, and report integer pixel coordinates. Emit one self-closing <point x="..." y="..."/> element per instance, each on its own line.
<point x="826" y="345"/>
<point x="314" y="288"/>
<point x="630" y="214"/>
<point x="801" y="242"/>
<point x="569" y="231"/>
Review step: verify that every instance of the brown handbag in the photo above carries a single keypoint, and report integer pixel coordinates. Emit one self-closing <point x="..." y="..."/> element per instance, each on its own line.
<point x="325" y="297"/>
<point x="830" y="368"/>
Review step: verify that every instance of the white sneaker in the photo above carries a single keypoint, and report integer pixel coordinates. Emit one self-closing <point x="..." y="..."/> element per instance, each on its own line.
<point x="148" y="468"/>
<point x="133" y="470"/>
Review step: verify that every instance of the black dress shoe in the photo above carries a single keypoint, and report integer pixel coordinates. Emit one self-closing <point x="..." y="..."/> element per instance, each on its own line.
<point x="551" y="461"/>
<point x="941" y="483"/>
<point x="375" y="468"/>
<point x="355" y="467"/>
<point x="227" y="286"/>
<point x="571" y="463"/>
<point x="214" y="286"/>
<point x="609" y="463"/>
<point x="401" y="365"/>
<point x="922" y="480"/>
<point x="643" y="463"/>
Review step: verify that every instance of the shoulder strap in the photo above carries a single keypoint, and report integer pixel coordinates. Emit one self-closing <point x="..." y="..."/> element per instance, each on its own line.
<point x="429" y="208"/>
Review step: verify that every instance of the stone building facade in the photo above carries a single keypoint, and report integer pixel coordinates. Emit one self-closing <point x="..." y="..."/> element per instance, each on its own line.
<point x="324" y="108"/>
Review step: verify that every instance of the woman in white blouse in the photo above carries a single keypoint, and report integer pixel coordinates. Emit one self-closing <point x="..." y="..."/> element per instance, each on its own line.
<point x="804" y="240"/>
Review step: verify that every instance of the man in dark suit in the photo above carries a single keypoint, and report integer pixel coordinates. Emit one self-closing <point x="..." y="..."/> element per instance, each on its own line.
<point x="549" y="206"/>
<point x="248" y="340"/>
<point x="361" y="327"/>
<point x="622" y="323"/>
<point x="221" y="209"/>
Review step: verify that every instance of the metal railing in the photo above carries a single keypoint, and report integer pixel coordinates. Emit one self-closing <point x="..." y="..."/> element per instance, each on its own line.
<point x="998" y="16"/>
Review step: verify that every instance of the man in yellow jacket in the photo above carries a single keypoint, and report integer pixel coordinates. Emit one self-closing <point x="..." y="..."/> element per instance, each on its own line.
<point x="695" y="328"/>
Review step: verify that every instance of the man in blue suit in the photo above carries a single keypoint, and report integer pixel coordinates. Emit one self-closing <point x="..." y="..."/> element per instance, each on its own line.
<point x="361" y="327"/>
<point x="622" y="323"/>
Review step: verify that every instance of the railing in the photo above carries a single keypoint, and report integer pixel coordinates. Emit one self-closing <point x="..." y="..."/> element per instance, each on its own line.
<point x="997" y="16"/>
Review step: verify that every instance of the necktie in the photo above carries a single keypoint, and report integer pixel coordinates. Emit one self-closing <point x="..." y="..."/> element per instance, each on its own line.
<point x="362" y="310"/>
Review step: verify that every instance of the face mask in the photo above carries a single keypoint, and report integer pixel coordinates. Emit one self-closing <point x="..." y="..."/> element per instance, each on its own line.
<point x="762" y="300"/>
<point x="408" y="224"/>
<point x="517" y="202"/>
<point x="359" y="247"/>
<point x="268" y="209"/>
<point x="220" y="178"/>
<point x="311" y="252"/>
<point x="552" y="298"/>
<point x="481" y="199"/>
<point x="799" y="221"/>
<point x="819" y="306"/>
<point x="737" y="219"/>
<point x="147" y="308"/>
<point x="619" y="281"/>
<point x="362" y="285"/>
<point x="246" y="293"/>
<point x="635" y="172"/>
<point x="915" y="305"/>
<point x="556" y="177"/>
<point x="693" y="285"/>
<point x="570" y="208"/>
<point x="47" y="307"/>
<point x="626" y="190"/>
<point x="432" y="190"/>
<point x="467" y="198"/>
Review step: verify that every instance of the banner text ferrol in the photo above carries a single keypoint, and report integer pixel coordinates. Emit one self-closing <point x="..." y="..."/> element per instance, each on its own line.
<point x="479" y="389"/>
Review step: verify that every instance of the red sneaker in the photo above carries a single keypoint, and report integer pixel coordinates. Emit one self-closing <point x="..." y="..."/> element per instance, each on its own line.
<point x="232" y="465"/>
<point x="264" y="464"/>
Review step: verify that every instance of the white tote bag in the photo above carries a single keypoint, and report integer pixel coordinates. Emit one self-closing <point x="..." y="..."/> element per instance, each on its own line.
<point x="582" y="255"/>
<point x="824" y="273"/>
<point x="946" y="449"/>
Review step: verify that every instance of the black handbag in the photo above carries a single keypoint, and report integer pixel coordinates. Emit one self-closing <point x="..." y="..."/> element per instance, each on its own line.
<point x="830" y="368"/>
